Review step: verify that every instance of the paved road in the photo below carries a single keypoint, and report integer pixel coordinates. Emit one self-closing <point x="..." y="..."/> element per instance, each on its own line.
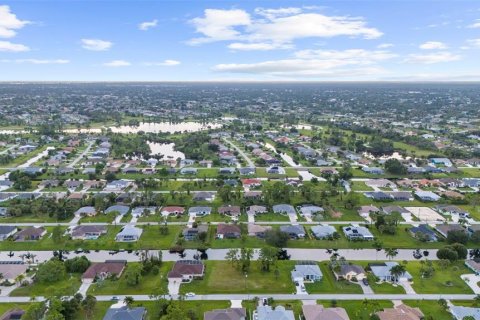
<point x="296" y="254"/>
<point x="249" y="161"/>
<point x="80" y="157"/>
<point x="329" y="297"/>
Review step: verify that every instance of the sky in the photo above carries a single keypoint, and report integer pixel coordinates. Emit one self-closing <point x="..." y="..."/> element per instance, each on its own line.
<point x="181" y="40"/>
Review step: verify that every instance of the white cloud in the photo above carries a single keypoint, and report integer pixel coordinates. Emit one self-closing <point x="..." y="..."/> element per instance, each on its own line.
<point x="117" y="63"/>
<point x="474" y="42"/>
<point x="241" y="46"/>
<point x="37" y="61"/>
<point x="316" y="64"/>
<point x="164" y="63"/>
<point x="433" y="45"/>
<point x="96" y="44"/>
<point x="219" y="25"/>
<point x="144" y="26"/>
<point x="276" y="27"/>
<point x="432" y="58"/>
<point x="13" y="47"/>
<point x="385" y="45"/>
<point x="9" y="22"/>
<point x="475" y="25"/>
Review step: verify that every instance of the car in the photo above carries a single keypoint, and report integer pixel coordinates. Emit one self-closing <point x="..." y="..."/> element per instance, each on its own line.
<point x="303" y="288"/>
<point x="264" y="301"/>
<point x="114" y="298"/>
<point x="365" y="281"/>
<point x="190" y="295"/>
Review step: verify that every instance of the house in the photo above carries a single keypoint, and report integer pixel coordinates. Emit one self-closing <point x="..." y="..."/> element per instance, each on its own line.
<point x="226" y="314"/>
<point x="187" y="270"/>
<point x="364" y="211"/>
<point x="188" y="170"/>
<point x="86" y="211"/>
<point x="401" y="311"/>
<point x="256" y="209"/>
<point x="143" y="211"/>
<point x="295" y="231"/>
<point x="451" y="210"/>
<point x="318" y="312"/>
<point x="232" y="211"/>
<point x="378" y="196"/>
<point x="382" y="270"/>
<point x="460" y="312"/>
<point x="392" y="209"/>
<point x="471" y="182"/>
<point x="228" y="231"/>
<point x="252" y="195"/>
<point x="120" y="209"/>
<point x="13" y="314"/>
<point x="10" y="270"/>
<point x="116" y="312"/>
<point x="205" y="163"/>
<point x="356" y="232"/>
<point x="349" y="272"/>
<point x="256" y="230"/>
<point x="324" y="163"/>
<point x="7" y="231"/>
<point x="427" y="195"/>
<point x="30" y="234"/>
<point x="204" y="196"/>
<point x="473" y="265"/>
<point x="251" y="183"/>
<point x="424" y="232"/>
<point x="104" y="270"/>
<point x="199" y="211"/>
<point x="441" y="161"/>
<point x="129" y="233"/>
<point x="117" y="185"/>
<point x="7" y="196"/>
<point x="191" y="234"/>
<point x="285" y="209"/>
<point x="306" y="271"/>
<point x="172" y="210"/>
<point x="230" y="182"/>
<point x="323" y="231"/>
<point x="267" y="313"/>
<point x="247" y="171"/>
<point x="444" y="229"/>
<point x="309" y="210"/>
<point x="87" y="232"/>
<point x="401" y="195"/>
<point x="275" y="170"/>
<point x="373" y="170"/>
<point x="227" y="170"/>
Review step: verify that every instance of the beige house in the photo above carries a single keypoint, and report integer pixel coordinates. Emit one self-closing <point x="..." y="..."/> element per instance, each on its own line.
<point x="318" y="312"/>
<point x="402" y="311"/>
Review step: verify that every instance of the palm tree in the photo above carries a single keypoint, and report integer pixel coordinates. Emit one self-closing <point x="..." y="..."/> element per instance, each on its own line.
<point x="128" y="301"/>
<point x="391" y="253"/>
<point x="397" y="271"/>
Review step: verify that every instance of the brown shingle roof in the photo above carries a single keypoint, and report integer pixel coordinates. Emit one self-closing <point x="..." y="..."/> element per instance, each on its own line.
<point x="106" y="268"/>
<point x="187" y="268"/>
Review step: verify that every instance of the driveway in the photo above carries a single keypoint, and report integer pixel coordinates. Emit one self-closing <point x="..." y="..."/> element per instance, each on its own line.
<point x="174" y="286"/>
<point x="472" y="281"/>
<point x="407" y="286"/>
<point x="191" y="219"/>
<point x="75" y="220"/>
<point x="84" y="288"/>
<point x="366" y="289"/>
<point x="251" y="217"/>
<point x="293" y="217"/>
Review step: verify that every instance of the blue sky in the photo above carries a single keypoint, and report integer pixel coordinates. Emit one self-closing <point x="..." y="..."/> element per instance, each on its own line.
<point x="243" y="40"/>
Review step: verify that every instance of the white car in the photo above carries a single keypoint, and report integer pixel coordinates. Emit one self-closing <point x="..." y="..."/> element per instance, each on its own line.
<point x="190" y="295"/>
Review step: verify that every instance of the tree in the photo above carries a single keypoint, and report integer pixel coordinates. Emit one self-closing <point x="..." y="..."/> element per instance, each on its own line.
<point x="276" y="238"/>
<point x="391" y="253"/>
<point x="133" y="274"/>
<point x="394" y="166"/>
<point x="77" y="264"/>
<point x="457" y="236"/>
<point x="232" y="256"/>
<point x="51" y="271"/>
<point x="128" y="301"/>
<point x="175" y="312"/>
<point x="268" y="257"/>
<point x="88" y="305"/>
<point x="447" y="253"/>
<point x="57" y="234"/>
<point x="35" y="311"/>
<point x="397" y="271"/>
<point x="246" y="255"/>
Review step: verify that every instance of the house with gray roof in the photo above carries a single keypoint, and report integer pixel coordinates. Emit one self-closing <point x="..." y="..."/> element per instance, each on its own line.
<point x="306" y="271"/>
<point x="7" y="231"/>
<point x="204" y="196"/>
<point x="356" y="232"/>
<point x="86" y="211"/>
<point x="373" y="170"/>
<point x="310" y="209"/>
<point x="129" y="233"/>
<point x="116" y="312"/>
<point x="460" y="312"/>
<point x="247" y="171"/>
<point x="268" y="313"/>
<point x="226" y="314"/>
<point x="382" y="270"/>
<point x="284" y="209"/>
<point x="427" y="195"/>
<point x="199" y="211"/>
<point x="122" y="210"/>
<point x="295" y="231"/>
<point x="323" y="231"/>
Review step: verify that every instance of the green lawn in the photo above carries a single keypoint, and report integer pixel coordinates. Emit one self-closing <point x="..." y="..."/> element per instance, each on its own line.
<point x="430" y="308"/>
<point x="222" y="277"/>
<point x="329" y="284"/>
<point x="149" y="284"/>
<point x="65" y="287"/>
<point x="359" y="310"/>
<point x="438" y="282"/>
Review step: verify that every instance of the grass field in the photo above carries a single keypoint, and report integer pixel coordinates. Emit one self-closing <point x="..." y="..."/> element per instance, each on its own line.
<point x="65" y="287"/>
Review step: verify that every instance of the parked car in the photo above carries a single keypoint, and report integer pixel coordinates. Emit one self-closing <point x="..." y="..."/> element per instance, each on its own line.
<point x="190" y="295"/>
<point x="365" y="281"/>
